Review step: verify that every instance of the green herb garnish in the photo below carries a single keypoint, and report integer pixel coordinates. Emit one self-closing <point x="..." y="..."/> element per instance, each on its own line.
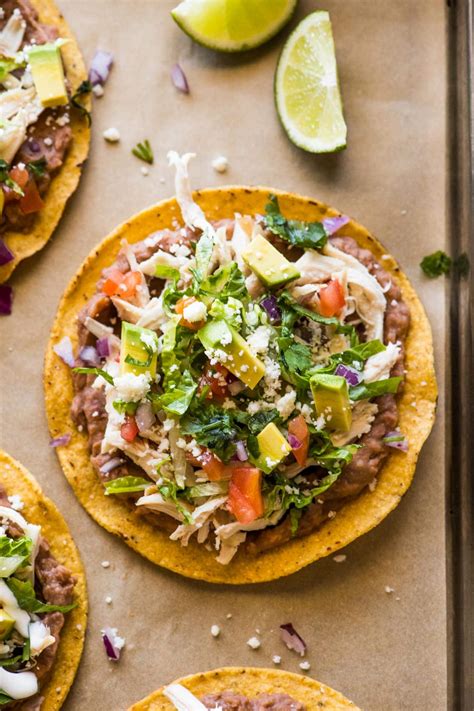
<point x="84" y="88"/>
<point x="95" y="371"/>
<point x="144" y="152"/>
<point x="27" y="600"/>
<point x="436" y="264"/>
<point x="310" y="235"/>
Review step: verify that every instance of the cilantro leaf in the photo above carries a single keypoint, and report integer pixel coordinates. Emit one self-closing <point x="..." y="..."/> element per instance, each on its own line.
<point x="227" y="281"/>
<point x="27" y="600"/>
<point x="300" y="234"/>
<point x="213" y="428"/>
<point x="292" y="311"/>
<point x="37" y="167"/>
<point x="4" y="698"/>
<point x="436" y="264"/>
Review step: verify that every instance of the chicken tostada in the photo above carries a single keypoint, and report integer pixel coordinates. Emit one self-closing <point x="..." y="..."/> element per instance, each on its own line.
<point x="43" y="601"/>
<point x="44" y="137"/>
<point x="240" y="385"/>
<point x="245" y="689"/>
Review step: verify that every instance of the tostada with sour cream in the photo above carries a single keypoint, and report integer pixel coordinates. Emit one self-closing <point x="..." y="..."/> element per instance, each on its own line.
<point x="43" y="603"/>
<point x="247" y="377"/>
<point x="44" y="137"/>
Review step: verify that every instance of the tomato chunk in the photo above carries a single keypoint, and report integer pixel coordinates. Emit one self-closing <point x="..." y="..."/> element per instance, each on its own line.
<point x="216" y="377"/>
<point x="331" y="298"/>
<point x="31" y="200"/>
<point x="120" y="284"/>
<point x="299" y="429"/>
<point x="179" y="308"/>
<point x="129" y="429"/>
<point x="20" y="176"/>
<point x="245" y="494"/>
<point x="212" y="465"/>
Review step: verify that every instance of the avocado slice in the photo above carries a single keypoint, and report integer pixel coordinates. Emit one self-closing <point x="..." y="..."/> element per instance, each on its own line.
<point x="138" y="350"/>
<point x="331" y="399"/>
<point x="218" y="335"/>
<point x="273" y="448"/>
<point x="271" y="267"/>
<point x="48" y="74"/>
<point x="6" y="624"/>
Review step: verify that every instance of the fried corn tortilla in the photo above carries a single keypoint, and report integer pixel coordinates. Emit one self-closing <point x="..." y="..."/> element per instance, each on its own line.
<point x="251" y="682"/>
<point x="355" y="518"/>
<point x="66" y="179"/>
<point x="38" y="509"/>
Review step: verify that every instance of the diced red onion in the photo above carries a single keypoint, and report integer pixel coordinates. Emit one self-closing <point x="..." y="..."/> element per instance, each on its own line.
<point x="100" y="67"/>
<point x="241" y="451"/>
<point x="333" y="224"/>
<point x="293" y="441"/>
<point x="144" y="416"/>
<point x="352" y="375"/>
<point x="64" y="350"/>
<point x="178" y="77"/>
<point x="103" y="347"/>
<point x="236" y="387"/>
<point x="399" y="440"/>
<point x="111" y="649"/>
<point x="269" y="303"/>
<point x="89" y="355"/>
<point x="6" y="255"/>
<point x="61" y="441"/>
<point x="111" y="464"/>
<point x="6" y="300"/>
<point x="292" y="639"/>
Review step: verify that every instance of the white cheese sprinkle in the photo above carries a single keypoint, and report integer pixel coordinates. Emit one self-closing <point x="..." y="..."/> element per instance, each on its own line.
<point x="112" y="135"/>
<point x="253" y="642"/>
<point x="105" y="564"/>
<point x="339" y="558"/>
<point x="195" y="312"/>
<point x="215" y="630"/>
<point x="98" y="91"/>
<point x="220" y="164"/>
<point x="305" y="666"/>
<point x="276" y="659"/>
<point x="389" y="590"/>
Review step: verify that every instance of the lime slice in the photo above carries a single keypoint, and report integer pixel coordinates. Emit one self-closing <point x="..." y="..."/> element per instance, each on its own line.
<point x="233" y="25"/>
<point x="307" y="93"/>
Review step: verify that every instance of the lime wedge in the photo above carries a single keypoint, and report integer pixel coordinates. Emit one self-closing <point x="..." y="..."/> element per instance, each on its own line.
<point x="233" y="25"/>
<point x="307" y="93"/>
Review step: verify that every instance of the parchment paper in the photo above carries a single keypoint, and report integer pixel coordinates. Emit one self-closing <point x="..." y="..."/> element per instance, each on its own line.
<point x="385" y="651"/>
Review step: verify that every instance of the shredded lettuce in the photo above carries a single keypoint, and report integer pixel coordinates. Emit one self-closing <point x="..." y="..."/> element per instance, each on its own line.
<point x="364" y="391"/>
<point x="27" y="600"/>
<point x="126" y="485"/>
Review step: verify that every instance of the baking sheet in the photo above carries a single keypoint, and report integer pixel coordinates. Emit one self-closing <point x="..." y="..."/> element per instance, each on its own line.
<point x="385" y="651"/>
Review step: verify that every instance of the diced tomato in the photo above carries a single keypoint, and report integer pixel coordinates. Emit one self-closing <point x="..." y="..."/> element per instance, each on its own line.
<point x="31" y="200"/>
<point x="129" y="429"/>
<point x="299" y="429"/>
<point x="20" y="176"/>
<point x="179" y="308"/>
<point x="212" y="465"/>
<point x="331" y="298"/>
<point x="128" y="288"/>
<point x="120" y="284"/>
<point x="245" y="494"/>
<point x="217" y="385"/>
